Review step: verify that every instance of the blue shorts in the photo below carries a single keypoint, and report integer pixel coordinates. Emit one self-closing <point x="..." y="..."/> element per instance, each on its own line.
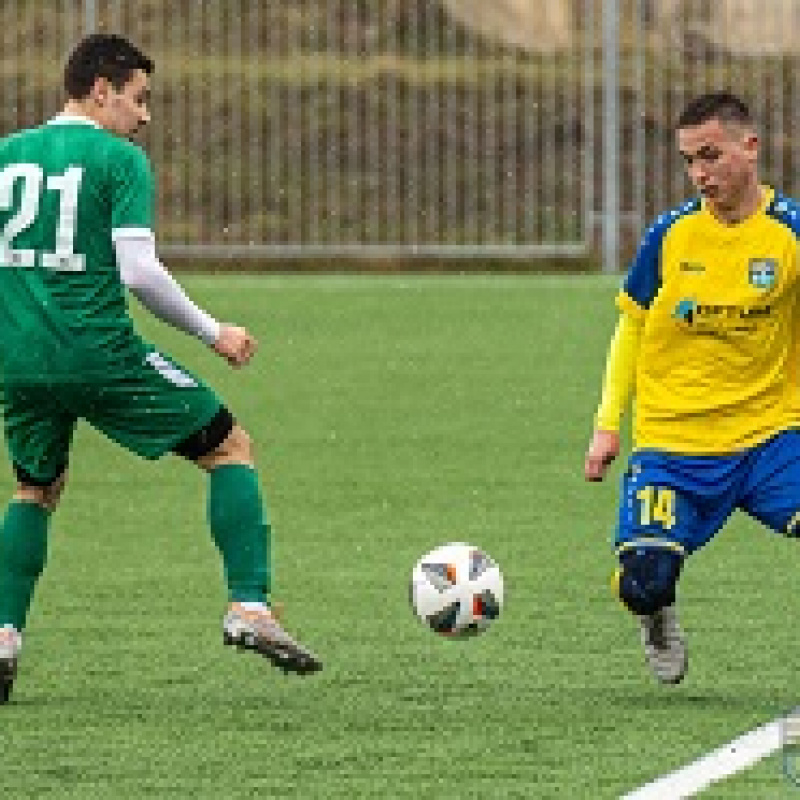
<point x="680" y="502"/>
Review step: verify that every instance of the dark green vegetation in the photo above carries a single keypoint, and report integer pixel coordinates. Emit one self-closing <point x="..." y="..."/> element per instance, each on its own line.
<point x="390" y="415"/>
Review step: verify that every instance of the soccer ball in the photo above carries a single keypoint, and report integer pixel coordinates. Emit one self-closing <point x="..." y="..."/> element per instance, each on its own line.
<point x="457" y="590"/>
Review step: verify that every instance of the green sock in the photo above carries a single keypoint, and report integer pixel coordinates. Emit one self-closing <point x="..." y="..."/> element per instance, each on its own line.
<point x="241" y="531"/>
<point x="23" y="551"/>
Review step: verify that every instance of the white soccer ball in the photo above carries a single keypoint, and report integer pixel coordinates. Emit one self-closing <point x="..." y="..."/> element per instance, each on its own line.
<point x="457" y="590"/>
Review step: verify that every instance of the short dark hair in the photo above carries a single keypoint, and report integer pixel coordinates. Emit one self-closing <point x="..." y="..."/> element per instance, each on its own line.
<point x="724" y="106"/>
<point x="102" y="55"/>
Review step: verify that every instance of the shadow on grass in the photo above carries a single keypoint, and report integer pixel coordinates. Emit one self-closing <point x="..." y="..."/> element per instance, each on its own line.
<point x="684" y="698"/>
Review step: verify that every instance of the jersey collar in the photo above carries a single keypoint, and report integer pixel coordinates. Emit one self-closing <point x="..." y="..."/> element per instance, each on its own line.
<point x="65" y="118"/>
<point x="767" y="196"/>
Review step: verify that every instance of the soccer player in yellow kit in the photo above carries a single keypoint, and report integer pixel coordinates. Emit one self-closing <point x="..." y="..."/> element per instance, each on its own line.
<point x="707" y="341"/>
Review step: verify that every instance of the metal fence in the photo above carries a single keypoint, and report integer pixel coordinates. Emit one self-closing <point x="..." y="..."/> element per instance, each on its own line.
<point x="521" y="128"/>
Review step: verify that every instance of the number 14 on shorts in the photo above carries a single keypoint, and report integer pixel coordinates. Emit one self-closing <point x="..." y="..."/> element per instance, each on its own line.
<point x="657" y="504"/>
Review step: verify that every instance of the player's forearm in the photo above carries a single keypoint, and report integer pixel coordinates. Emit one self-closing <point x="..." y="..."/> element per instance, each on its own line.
<point x="620" y="373"/>
<point x="159" y="292"/>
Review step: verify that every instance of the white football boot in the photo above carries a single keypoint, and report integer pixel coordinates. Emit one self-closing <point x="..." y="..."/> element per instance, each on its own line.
<point x="10" y="645"/>
<point x="257" y="628"/>
<point x="664" y="645"/>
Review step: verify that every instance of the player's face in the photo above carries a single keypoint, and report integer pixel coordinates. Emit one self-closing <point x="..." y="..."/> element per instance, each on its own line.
<point x="720" y="159"/>
<point x="126" y="110"/>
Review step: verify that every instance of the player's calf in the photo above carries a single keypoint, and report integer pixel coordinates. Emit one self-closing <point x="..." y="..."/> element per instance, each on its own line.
<point x="647" y="580"/>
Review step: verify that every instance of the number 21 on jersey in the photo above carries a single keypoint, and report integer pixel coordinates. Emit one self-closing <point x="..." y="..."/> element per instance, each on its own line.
<point x="34" y="185"/>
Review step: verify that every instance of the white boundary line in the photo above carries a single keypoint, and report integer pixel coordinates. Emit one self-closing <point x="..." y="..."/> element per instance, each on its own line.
<point x="717" y="765"/>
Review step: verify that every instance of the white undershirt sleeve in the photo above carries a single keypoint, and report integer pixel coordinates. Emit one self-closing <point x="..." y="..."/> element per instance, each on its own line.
<point x="157" y="290"/>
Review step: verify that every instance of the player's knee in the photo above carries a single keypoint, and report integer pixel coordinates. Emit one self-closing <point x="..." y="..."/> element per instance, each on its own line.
<point x="54" y="491"/>
<point x="240" y="445"/>
<point x="237" y="448"/>
<point x="647" y="579"/>
<point x="45" y="495"/>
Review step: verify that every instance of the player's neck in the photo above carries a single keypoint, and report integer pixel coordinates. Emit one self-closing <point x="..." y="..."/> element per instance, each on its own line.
<point x="746" y="207"/>
<point x="76" y="108"/>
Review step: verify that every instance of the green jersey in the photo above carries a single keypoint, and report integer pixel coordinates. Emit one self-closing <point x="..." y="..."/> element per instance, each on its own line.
<point x="67" y="190"/>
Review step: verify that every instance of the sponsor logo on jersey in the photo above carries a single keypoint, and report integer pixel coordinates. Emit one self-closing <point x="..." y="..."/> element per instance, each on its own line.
<point x="685" y="310"/>
<point x="692" y="266"/>
<point x="718" y="318"/>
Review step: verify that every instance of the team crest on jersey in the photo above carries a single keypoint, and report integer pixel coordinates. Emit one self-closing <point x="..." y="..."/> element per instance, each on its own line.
<point x="763" y="272"/>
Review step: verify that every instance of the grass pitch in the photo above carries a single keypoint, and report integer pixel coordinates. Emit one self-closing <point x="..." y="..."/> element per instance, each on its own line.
<point x="390" y="415"/>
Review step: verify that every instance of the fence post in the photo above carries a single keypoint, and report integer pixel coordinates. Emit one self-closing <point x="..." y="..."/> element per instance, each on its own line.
<point x="90" y="16"/>
<point x="116" y="16"/>
<point x="611" y="136"/>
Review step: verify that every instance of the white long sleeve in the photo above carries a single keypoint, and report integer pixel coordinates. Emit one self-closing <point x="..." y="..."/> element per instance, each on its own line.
<point x="157" y="290"/>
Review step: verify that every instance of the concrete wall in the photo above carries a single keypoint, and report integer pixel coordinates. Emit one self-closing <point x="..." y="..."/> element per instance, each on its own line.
<point x="737" y="27"/>
<point x="535" y="25"/>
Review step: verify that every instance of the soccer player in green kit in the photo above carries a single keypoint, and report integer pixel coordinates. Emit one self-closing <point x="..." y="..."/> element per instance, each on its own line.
<point x="76" y="229"/>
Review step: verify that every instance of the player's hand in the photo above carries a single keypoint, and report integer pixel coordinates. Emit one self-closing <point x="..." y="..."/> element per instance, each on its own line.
<point x="603" y="449"/>
<point x="235" y="345"/>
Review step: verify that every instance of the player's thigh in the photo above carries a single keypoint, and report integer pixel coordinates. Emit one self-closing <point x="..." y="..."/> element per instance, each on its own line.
<point x="772" y="494"/>
<point x="659" y="507"/>
<point x="39" y="426"/>
<point x="153" y="409"/>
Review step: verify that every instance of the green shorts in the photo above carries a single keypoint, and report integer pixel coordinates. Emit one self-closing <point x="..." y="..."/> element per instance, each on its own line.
<point x="149" y="409"/>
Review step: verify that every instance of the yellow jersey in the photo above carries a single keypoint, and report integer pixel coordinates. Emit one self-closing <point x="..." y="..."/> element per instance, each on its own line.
<point x="717" y="366"/>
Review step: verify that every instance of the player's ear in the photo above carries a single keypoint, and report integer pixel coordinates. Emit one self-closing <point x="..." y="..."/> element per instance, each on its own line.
<point x="750" y="144"/>
<point x="100" y="91"/>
